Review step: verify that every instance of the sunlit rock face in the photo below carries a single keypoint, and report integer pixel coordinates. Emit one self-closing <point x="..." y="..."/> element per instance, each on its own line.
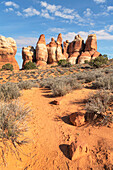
<point x="41" y="51"/>
<point x="8" y="51"/>
<point x="75" y="52"/>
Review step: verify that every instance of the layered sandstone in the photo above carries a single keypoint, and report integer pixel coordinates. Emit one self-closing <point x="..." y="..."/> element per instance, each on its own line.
<point x="8" y="51"/>
<point x="75" y="52"/>
<point x="52" y="48"/>
<point x="75" y="49"/>
<point x="59" y="52"/>
<point x="27" y="54"/>
<point x="41" y="51"/>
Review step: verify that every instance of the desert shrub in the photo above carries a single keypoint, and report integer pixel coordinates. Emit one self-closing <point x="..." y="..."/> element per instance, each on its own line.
<point x="30" y="65"/>
<point x="64" y="63"/>
<point x="9" y="91"/>
<point x="60" y="88"/>
<point x="97" y="108"/>
<point x="27" y="84"/>
<point x="105" y="82"/>
<point x="7" y="66"/>
<point x="99" y="61"/>
<point x="12" y="127"/>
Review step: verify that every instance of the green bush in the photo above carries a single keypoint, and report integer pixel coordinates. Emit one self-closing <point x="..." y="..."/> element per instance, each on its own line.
<point x="64" y="63"/>
<point x="9" y="91"/>
<point x="30" y="65"/>
<point x="7" y="66"/>
<point x="99" y="61"/>
<point x="97" y="108"/>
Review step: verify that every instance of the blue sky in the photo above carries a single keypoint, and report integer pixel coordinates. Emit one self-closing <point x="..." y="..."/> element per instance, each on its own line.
<point x="25" y="20"/>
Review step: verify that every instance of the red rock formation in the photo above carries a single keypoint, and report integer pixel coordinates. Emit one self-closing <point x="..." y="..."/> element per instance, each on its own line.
<point x="75" y="49"/>
<point x="96" y="54"/>
<point x="85" y="56"/>
<point x="27" y="54"/>
<point x="8" y="51"/>
<point x="41" y="51"/>
<point x="59" y="51"/>
<point x="65" y="48"/>
<point x="52" y="48"/>
<point x="91" y="43"/>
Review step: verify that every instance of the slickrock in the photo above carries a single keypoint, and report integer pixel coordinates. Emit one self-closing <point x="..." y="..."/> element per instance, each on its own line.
<point x="52" y="47"/>
<point x="85" y="56"/>
<point x="96" y="54"/>
<point x="27" y="54"/>
<point x="41" y="51"/>
<point x="78" y="150"/>
<point x="8" y="51"/>
<point x="77" y="119"/>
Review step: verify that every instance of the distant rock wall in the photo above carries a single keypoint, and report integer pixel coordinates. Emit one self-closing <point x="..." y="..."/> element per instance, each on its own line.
<point x="8" y="51"/>
<point x="75" y="52"/>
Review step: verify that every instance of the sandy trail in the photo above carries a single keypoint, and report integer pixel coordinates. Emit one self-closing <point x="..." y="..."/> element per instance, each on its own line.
<point x="51" y="133"/>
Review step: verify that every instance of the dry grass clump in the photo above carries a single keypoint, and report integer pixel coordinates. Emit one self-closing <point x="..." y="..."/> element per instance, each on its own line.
<point x="12" y="128"/>
<point x="27" y="85"/>
<point x="98" y="106"/>
<point x="9" y="91"/>
<point x="105" y="82"/>
<point x="61" y="85"/>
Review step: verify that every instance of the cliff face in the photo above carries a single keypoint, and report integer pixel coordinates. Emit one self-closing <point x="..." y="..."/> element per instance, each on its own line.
<point x="8" y="51"/>
<point x="75" y="52"/>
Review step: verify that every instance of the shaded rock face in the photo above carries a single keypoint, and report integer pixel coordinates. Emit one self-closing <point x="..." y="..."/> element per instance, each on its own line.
<point x="41" y="51"/>
<point x="8" y="51"/>
<point x="75" y="52"/>
<point x="28" y="54"/>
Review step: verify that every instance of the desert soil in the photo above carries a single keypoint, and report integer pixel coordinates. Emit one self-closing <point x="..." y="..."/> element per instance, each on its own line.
<point x="50" y="133"/>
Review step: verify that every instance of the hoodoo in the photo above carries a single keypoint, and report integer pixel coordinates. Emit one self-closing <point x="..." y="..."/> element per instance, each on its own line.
<point x="8" y="51"/>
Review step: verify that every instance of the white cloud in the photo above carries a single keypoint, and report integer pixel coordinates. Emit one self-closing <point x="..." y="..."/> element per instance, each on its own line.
<point x="9" y="9"/>
<point x="110" y="8"/>
<point x="101" y="35"/>
<point x="88" y="12"/>
<point x="65" y="16"/>
<point x="19" y="13"/>
<point x="30" y="12"/>
<point x="99" y="1"/>
<point x="57" y="30"/>
<point x="51" y="8"/>
<point x="109" y="28"/>
<point x="45" y="14"/>
<point x="10" y="3"/>
<point x="25" y="41"/>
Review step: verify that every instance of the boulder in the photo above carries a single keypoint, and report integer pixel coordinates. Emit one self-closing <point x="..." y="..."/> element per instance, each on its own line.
<point x="77" y="119"/>
<point x="78" y="150"/>
<point x="85" y="56"/>
<point x="27" y="54"/>
<point x="41" y="51"/>
<point x="8" y="51"/>
<point x="91" y="43"/>
<point x="52" y="48"/>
